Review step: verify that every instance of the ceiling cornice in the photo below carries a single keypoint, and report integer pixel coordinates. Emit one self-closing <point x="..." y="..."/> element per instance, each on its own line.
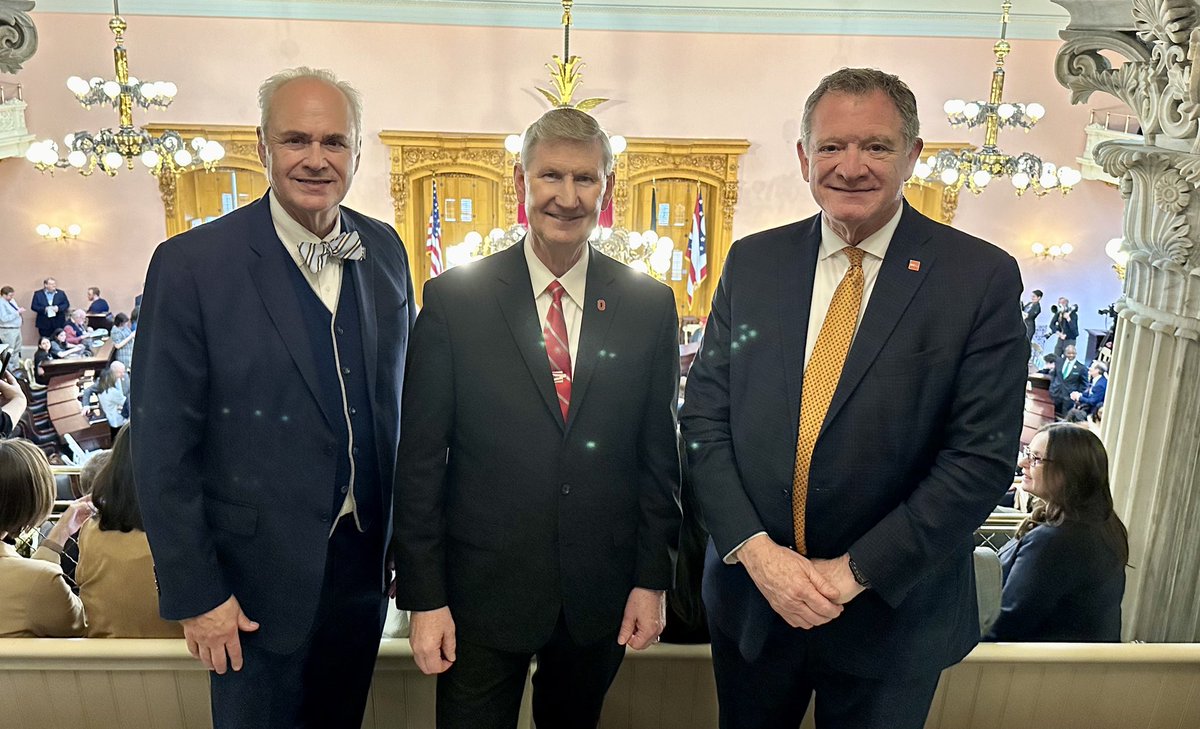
<point x="937" y="18"/>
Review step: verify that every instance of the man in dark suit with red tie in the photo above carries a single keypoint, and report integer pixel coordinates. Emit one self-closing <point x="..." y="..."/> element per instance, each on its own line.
<point x="847" y="431"/>
<point x="537" y="507"/>
<point x="266" y="408"/>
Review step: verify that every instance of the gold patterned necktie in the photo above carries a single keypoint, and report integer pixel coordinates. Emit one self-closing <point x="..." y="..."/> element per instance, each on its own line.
<point x="821" y="378"/>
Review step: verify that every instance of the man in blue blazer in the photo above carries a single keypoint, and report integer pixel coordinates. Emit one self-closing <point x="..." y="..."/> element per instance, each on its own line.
<point x="851" y="577"/>
<point x="51" y="307"/>
<point x="266" y="412"/>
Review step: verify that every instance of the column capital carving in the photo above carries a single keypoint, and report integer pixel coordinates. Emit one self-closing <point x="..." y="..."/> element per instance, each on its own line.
<point x="18" y="36"/>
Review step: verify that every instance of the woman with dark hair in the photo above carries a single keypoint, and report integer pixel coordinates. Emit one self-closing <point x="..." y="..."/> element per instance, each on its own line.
<point x="1064" y="574"/>
<point x="39" y="358"/>
<point x="115" y="571"/>
<point x="61" y="349"/>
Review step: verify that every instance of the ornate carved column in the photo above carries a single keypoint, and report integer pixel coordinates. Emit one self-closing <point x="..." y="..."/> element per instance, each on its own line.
<point x="1152" y="416"/>
<point x="18" y="36"/>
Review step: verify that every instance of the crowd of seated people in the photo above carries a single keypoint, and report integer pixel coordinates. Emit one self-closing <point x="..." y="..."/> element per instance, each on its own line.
<point x="35" y="598"/>
<point x="1064" y="574"/>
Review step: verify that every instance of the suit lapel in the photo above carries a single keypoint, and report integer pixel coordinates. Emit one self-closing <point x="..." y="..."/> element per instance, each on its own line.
<point x="593" y="331"/>
<point x="273" y="284"/>
<point x="797" y="264"/>
<point x="894" y="289"/>
<point x="514" y="294"/>
<point x="364" y="273"/>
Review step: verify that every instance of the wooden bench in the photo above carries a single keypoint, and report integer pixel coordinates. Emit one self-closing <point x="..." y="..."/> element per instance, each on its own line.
<point x="130" y="684"/>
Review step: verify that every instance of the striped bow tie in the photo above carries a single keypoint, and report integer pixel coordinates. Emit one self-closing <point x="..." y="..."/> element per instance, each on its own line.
<point x="346" y="246"/>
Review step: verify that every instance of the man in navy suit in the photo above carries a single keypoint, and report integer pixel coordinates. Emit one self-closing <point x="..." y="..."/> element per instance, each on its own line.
<point x="51" y="306"/>
<point x="851" y="578"/>
<point x="536" y="495"/>
<point x="1090" y="399"/>
<point x="266" y="412"/>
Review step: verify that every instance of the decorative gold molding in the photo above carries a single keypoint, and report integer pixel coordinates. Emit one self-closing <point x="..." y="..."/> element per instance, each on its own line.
<point x="241" y="153"/>
<point x="932" y="198"/>
<point x="712" y="163"/>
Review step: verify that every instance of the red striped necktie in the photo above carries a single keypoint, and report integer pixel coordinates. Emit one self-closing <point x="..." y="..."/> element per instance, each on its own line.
<point x="557" y="347"/>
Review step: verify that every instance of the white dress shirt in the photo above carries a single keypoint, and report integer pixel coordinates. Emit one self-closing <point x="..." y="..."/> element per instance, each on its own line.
<point x="832" y="265"/>
<point x="328" y="283"/>
<point x="575" y="283"/>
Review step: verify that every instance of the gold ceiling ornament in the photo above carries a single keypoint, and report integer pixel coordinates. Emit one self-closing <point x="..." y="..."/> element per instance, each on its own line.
<point x="110" y="149"/>
<point x="976" y="168"/>
<point x="567" y="74"/>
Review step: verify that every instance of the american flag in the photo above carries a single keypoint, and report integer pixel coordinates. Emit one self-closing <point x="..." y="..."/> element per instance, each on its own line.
<point x="697" y="250"/>
<point x="433" y="237"/>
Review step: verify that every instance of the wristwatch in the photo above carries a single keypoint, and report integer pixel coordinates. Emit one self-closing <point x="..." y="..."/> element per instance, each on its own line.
<point x="858" y="575"/>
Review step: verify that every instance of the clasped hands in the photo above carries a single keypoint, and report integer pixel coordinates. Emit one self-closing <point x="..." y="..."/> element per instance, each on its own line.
<point x="804" y="592"/>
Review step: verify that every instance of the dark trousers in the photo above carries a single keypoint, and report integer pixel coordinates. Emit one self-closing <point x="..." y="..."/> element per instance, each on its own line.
<point x="483" y="689"/>
<point x="323" y="683"/>
<point x="773" y="691"/>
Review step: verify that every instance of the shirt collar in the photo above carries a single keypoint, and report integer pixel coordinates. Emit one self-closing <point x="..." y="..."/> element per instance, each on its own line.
<point x="875" y="244"/>
<point x="574" y="280"/>
<point x="291" y="232"/>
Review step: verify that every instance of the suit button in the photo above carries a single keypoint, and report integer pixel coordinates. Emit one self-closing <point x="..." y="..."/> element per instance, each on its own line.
<point x="345" y="489"/>
<point x="340" y="331"/>
<point x="566" y="489"/>
<point x="345" y="370"/>
<point x="353" y="411"/>
<point x="355" y="450"/>
<point x="325" y="519"/>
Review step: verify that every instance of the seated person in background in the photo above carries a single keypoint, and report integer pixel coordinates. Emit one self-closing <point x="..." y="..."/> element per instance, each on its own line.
<point x="1048" y="361"/>
<point x="78" y="332"/>
<point x="35" y="599"/>
<point x="41" y="355"/>
<point x="112" y="390"/>
<point x="61" y="349"/>
<point x="122" y="338"/>
<point x="12" y="403"/>
<point x="115" y="571"/>
<point x="87" y="474"/>
<point x="1088" y="401"/>
<point x="1064" y="574"/>
<point x="1069" y="377"/>
<point x="97" y="305"/>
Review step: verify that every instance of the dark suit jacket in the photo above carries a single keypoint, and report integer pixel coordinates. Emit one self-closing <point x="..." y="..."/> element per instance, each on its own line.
<point x="503" y="512"/>
<point x="918" y="444"/>
<point x="1061" y="583"/>
<point x="1032" y="309"/>
<point x="1092" y="397"/>
<point x="46" y="324"/>
<point x="1061" y="386"/>
<point x="1068" y="325"/>
<point x="234" y="454"/>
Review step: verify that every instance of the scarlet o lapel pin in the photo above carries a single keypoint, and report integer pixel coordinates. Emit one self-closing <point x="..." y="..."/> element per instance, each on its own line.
<point x="914" y="265"/>
<point x="600" y="305"/>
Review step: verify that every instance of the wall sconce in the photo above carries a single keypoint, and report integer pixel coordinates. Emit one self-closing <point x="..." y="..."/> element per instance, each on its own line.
<point x="55" y="233"/>
<point x="1115" y="249"/>
<point x="1053" y="252"/>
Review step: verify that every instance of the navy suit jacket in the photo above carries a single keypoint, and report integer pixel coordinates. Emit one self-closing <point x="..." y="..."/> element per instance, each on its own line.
<point x="917" y="446"/>
<point x="1061" y="583"/>
<point x="1062" y="385"/>
<point x="39" y="304"/>
<point x="507" y="514"/>
<point x="234" y="450"/>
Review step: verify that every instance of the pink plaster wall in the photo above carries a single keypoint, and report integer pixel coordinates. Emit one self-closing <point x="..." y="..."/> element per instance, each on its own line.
<point x="481" y="80"/>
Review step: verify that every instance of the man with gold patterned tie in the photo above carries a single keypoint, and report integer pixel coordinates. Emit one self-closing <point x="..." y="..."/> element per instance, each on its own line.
<point x="537" y="480"/>
<point x="266" y="419"/>
<point x="846" y="432"/>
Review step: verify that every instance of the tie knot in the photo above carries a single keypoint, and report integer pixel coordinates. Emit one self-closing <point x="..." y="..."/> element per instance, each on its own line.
<point x="855" y="255"/>
<point x="556" y="290"/>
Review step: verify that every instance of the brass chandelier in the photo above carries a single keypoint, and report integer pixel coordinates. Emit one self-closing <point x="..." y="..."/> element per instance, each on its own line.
<point x="976" y="168"/>
<point x="110" y="149"/>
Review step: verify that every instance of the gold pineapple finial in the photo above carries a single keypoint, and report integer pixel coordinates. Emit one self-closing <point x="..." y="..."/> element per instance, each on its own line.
<point x="567" y="75"/>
